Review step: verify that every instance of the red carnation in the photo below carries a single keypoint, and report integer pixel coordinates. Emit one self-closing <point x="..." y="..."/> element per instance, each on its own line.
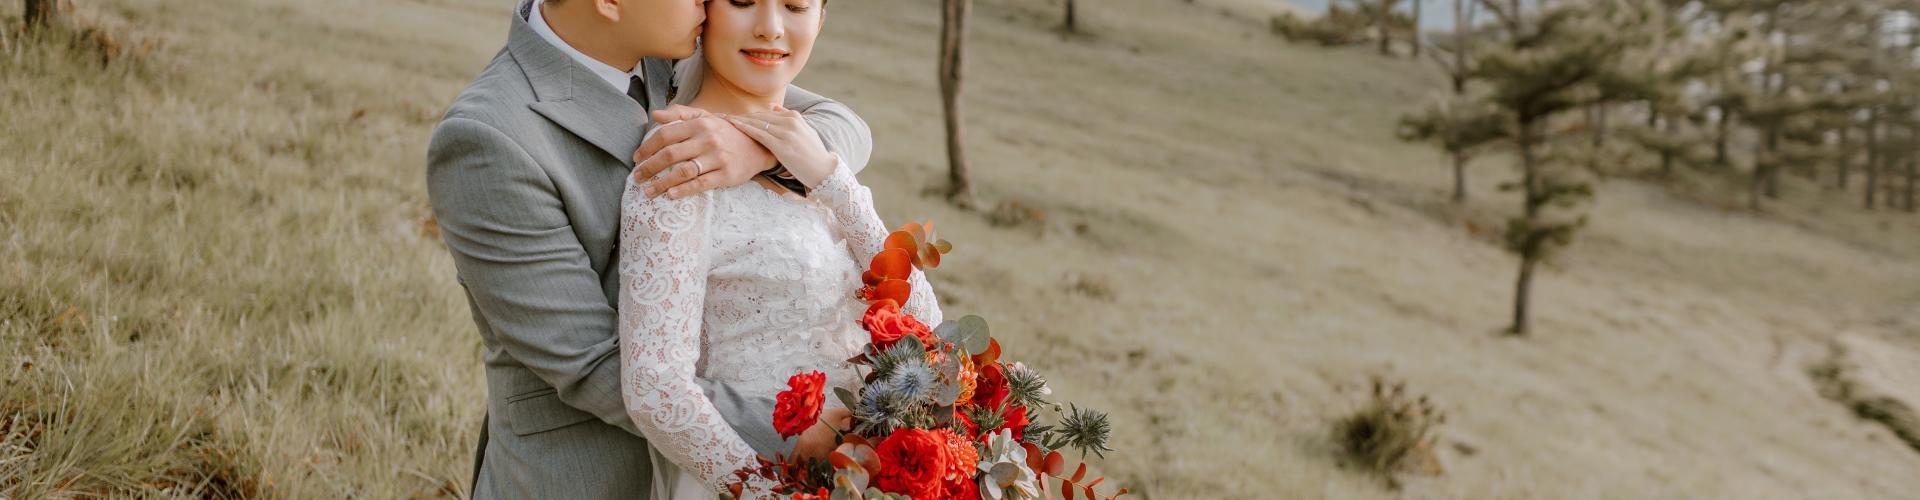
<point x="886" y="324"/>
<point x="798" y="407"/>
<point x="1016" y="420"/>
<point x="990" y="386"/>
<point x="963" y="465"/>
<point x="913" y="462"/>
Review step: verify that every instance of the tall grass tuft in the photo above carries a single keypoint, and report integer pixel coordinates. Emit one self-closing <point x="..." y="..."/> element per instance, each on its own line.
<point x="1391" y="433"/>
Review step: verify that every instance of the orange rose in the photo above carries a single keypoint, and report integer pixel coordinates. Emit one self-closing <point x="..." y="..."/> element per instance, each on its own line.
<point x="887" y="325"/>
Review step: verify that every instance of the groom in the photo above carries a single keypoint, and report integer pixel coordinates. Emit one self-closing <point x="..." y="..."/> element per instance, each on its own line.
<point x="525" y="174"/>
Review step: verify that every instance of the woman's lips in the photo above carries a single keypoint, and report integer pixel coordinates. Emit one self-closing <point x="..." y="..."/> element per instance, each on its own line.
<point x="765" y="57"/>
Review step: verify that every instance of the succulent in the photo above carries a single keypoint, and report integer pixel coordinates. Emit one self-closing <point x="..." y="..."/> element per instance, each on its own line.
<point x="1007" y="476"/>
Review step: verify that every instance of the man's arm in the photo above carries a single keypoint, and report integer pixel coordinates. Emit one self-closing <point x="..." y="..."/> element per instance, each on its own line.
<point x="531" y="280"/>
<point x="843" y="131"/>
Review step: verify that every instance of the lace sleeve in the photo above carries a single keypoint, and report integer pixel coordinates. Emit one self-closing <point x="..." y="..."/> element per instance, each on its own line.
<point x="852" y="206"/>
<point x="663" y="273"/>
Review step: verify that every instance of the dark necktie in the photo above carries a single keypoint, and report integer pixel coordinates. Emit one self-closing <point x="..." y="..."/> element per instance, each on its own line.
<point x="637" y="89"/>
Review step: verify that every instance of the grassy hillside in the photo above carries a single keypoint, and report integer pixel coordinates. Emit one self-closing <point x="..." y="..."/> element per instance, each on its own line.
<point x="218" y="276"/>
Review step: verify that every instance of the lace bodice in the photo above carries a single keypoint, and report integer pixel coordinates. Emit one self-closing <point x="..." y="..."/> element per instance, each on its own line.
<point x="746" y="287"/>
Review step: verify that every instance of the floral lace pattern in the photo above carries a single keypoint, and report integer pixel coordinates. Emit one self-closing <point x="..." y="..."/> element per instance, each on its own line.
<point x="746" y="287"/>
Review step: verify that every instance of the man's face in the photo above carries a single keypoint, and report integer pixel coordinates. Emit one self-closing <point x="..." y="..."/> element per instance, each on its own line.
<point x="660" y="28"/>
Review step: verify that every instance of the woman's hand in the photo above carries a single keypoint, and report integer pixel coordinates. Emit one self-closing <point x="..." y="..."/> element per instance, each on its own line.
<point x="818" y="441"/>
<point x="792" y="141"/>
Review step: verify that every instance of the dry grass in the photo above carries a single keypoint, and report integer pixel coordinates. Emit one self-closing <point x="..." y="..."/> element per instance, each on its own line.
<point x="1393" y="433"/>
<point x="210" y="280"/>
<point x="215" y="278"/>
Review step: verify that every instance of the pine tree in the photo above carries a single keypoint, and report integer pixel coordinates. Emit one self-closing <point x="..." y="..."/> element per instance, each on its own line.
<point x="1459" y="125"/>
<point x="1564" y="56"/>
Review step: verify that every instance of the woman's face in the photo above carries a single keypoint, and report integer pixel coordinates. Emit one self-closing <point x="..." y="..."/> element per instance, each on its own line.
<point x="760" y="45"/>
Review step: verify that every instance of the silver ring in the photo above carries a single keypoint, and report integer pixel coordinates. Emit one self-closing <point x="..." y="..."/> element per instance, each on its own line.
<point x="767" y="127"/>
<point x="697" y="167"/>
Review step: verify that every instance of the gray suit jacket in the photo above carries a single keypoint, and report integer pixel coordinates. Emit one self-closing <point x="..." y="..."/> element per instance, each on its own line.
<point x="525" y="174"/>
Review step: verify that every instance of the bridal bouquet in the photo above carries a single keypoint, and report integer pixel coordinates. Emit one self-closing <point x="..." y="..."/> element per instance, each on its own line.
<point x="939" y="414"/>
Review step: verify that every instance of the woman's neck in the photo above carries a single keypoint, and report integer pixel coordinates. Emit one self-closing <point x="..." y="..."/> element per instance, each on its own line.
<point x="721" y="96"/>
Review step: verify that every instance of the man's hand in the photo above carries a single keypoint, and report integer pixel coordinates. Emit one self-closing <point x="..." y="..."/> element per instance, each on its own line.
<point x="818" y="441"/>
<point x="698" y="151"/>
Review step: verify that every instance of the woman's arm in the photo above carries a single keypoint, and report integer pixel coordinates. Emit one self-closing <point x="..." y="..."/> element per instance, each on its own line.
<point x="663" y="273"/>
<point x="852" y="206"/>
<point x="793" y="141"/>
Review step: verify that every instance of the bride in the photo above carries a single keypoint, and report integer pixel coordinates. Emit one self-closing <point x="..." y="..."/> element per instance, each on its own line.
<point x="745" y="285"/>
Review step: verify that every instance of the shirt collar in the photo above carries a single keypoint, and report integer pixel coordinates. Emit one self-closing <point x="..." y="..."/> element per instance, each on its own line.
<point x="620" y="80"/>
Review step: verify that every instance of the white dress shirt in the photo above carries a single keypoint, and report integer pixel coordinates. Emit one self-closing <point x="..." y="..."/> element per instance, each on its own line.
<point x="620" y="80"/>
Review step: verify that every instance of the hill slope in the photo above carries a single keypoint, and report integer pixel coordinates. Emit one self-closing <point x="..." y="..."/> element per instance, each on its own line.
<point x="1231" y="243"/>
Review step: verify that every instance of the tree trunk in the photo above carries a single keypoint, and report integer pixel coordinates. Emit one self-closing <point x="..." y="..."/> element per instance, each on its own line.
<point x="1600" y="126"/>
<point x="1874" y="156"/>
<point x="1723" y="128"/>
<point x="1386" y="36"/>
<point x="1071" y="25"/>
<point x="1913" y="166"/>
<point x="1666" y="154"/>
<point x="1846" y="159"/>
<point x="1415" y="38"/>
<point x="953" y="36"/>
<point x="1459" y="177"/>
<point x="1522" y="287"/>
<point x="1529" y="253"/>
<point x="1462" y="35"/>
<point x="1771" y="178"/>
<point x="41" y="13"/>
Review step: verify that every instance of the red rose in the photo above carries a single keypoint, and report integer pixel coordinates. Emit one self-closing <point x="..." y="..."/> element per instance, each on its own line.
<point x="886" y="324"/>
<point x="798" y="407"/>
<point x="990" y="387"/>
<point x="1016" y="420"/>
<point x="913" y="462"/>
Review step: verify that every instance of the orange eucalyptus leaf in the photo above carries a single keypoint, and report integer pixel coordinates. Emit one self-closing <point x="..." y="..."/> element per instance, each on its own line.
<point x="1080" y="472"/>
<point x="989" y="356"/>
<point x="1054" y="462"/>
<point x="894" y="290"/>
<point x="892" y="263"/>
<point x="899" y="240"/>
<point x="930" y="259"/>
<point x="1066" y="489"/>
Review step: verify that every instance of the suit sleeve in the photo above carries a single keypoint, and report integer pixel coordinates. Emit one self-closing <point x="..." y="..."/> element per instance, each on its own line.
<point x="843" y="131"/>
<point x="532" y="282"/>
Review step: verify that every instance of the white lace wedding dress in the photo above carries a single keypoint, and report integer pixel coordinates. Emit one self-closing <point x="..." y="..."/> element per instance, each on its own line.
<point x="744" y="286"/>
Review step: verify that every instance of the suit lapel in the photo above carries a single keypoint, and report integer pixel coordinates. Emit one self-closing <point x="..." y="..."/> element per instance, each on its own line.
<point x="576" y="100"/>
<point x="659" y="75"/>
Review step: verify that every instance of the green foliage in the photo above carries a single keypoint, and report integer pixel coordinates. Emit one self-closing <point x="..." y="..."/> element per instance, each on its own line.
<point x="1339" y="26"/>
<point x="1458" y="126"/>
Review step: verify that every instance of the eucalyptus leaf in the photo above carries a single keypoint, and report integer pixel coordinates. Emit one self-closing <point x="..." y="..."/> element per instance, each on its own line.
<point x="949" y="331"/>
<point x="846" y="397"/>
<point x="974" y="334"/>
